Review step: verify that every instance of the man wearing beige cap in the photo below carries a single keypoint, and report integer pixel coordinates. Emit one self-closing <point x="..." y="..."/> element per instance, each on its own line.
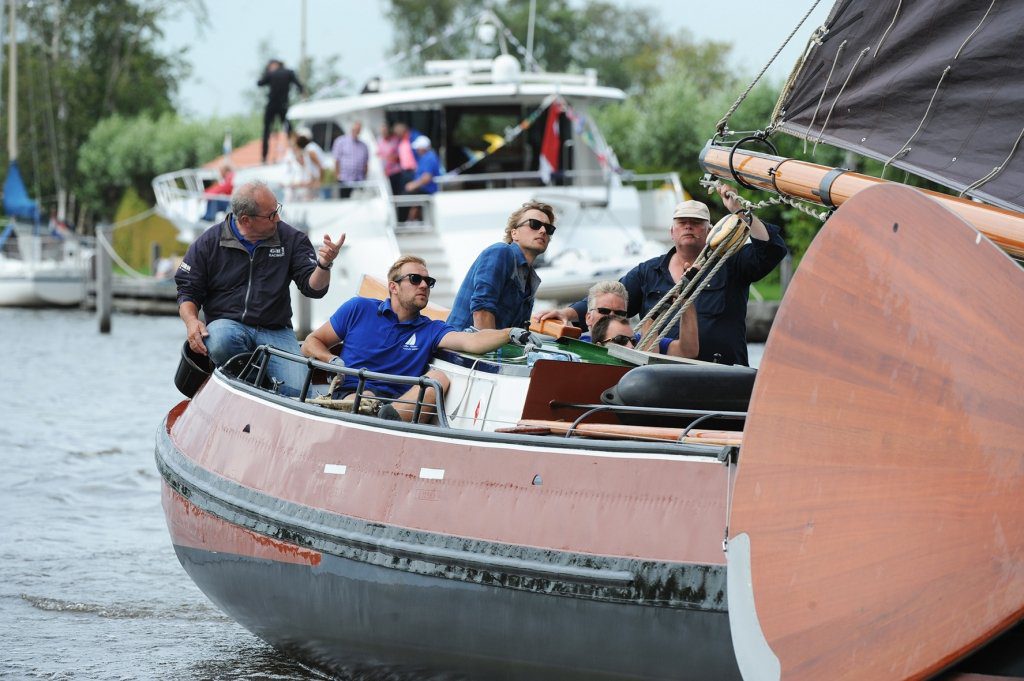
<point x="722" y="306"/>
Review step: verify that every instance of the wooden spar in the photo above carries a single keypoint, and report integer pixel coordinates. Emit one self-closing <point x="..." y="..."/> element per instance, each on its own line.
<point x="833" y="186"/>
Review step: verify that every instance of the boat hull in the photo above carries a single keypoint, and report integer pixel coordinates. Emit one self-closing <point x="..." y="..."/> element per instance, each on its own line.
<point x="41" y="289"/>
<point x="539" y="588"/>
<point x="345" y="614"/>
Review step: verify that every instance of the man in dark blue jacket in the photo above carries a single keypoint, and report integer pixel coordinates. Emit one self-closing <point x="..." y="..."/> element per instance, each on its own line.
<point x="722" y="306"/>
<point x="238" y="272"/>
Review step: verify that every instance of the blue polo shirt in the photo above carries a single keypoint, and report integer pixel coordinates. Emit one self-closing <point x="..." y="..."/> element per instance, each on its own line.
<point x="721" y="307"/>
<point x="375" y="340"/>
<point x="502" y="282"/>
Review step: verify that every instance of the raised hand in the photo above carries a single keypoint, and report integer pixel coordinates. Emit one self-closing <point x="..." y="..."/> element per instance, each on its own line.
<point x="329" y="249"/>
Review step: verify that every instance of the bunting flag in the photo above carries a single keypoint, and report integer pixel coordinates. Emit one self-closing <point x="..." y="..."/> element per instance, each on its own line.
<point x="551" y="143"/>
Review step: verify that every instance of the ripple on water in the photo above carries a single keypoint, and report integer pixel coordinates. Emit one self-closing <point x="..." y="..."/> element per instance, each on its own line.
<point x="189" y="611"/>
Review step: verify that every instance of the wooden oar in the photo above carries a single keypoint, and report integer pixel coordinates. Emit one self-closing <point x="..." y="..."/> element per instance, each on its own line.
<point x="616" y="431"/>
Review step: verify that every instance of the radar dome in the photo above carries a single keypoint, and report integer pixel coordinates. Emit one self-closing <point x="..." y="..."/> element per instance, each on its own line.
<point x="505" y="69"/>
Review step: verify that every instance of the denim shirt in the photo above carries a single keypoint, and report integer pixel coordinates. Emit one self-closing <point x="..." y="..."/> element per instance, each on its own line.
<point x="721" y="306"/>
<point x="502" y="282"/>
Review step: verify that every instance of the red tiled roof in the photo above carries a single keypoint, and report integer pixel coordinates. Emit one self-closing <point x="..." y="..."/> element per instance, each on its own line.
<point x="248" y="154"/>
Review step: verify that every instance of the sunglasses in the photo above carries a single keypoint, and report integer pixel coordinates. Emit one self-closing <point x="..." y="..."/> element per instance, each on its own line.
<point x="417" y="279"/>
<point x="536" y="224"/>
<point x="607" y="311"/>
<point x="621" y="339"/>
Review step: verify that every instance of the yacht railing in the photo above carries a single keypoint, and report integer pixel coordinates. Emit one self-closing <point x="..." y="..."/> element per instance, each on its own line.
<point x="255" y="373"/>
<point x="180" y="194"/>
<point x="483" y="78"/>
<point x="652" y="181"/>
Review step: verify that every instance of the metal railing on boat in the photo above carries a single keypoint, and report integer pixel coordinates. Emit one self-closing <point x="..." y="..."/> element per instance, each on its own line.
<point x="260" y="359"/>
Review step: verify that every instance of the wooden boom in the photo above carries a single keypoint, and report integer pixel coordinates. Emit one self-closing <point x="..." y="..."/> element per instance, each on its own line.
<point x="833" y="186"/>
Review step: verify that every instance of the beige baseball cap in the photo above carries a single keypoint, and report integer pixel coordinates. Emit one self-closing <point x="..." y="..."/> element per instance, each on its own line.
<point x="691" y="209"/>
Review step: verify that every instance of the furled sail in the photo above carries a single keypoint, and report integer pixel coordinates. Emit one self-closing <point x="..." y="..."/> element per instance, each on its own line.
<point x="930" y="86"/>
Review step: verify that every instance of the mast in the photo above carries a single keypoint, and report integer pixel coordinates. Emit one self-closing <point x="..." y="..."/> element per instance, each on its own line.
<point x="12" y="88"/>
<point x="833" y="186"/>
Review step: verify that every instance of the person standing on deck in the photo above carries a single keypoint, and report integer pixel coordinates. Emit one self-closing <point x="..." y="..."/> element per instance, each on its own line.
<point x="280" y="81"/>
<point x="722" y="306"/>
<point x="351" y="160"/>
<point x="237" y="272"/>
<point x="501" y="285"/>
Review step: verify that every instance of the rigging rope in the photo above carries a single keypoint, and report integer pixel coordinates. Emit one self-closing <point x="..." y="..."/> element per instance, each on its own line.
<point x="724" y="122"/>
<point x="822" y="215"/>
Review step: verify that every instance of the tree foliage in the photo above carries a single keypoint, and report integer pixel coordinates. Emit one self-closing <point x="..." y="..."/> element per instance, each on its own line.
<point x="626" y="45"/>
<point x="127" y="153"/>
<point x="81" y="61"/>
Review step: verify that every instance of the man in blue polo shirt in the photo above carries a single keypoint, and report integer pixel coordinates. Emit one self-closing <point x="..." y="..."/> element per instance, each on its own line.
<point x="392" y="337"/>
<point x="501" y="285"/>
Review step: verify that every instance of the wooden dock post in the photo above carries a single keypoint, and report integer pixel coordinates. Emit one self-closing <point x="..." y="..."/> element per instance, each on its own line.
<point x="104" y="277"/>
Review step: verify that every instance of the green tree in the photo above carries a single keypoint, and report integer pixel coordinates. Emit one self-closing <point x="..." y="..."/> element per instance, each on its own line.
<point x="625" y="45"/>
<point x="81" y="61"/>
<point x="127" y="153"/>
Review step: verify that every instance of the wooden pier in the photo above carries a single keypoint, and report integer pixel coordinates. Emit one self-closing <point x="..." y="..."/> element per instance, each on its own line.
<point x="138" y="296"/>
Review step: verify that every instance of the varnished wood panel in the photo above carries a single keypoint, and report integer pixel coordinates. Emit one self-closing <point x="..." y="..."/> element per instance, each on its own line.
<point x="881" y="480"/>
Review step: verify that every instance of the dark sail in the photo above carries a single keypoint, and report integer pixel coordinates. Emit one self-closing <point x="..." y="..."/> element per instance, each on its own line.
<point x="935" y="87"/>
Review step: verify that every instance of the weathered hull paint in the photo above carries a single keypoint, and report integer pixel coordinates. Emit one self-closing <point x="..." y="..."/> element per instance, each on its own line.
<point x="354" y="546"/>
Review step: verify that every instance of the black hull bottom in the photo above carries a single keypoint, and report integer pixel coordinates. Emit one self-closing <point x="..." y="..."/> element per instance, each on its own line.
<point x="358" y="619"/>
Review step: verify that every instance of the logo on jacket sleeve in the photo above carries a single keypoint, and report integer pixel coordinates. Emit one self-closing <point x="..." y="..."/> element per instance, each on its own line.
<point x="276" y="252"/>
<point x="185" y="267"/>
<point x="411" y="343"/>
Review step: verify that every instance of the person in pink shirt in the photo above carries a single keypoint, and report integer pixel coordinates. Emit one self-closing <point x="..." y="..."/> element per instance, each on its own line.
<point x="387" y="150"/>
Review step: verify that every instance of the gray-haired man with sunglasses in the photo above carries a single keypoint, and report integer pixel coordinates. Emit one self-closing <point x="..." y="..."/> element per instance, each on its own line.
<point x="501" y="285"/>
<point x="238" y="272"/>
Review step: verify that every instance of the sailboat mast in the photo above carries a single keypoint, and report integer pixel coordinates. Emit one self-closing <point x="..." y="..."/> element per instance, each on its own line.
<point x="832" y="186"/>
<point x="12" y="87"/>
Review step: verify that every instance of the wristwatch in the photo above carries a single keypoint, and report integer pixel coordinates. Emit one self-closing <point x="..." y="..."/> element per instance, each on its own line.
<point x="324" y="267"/>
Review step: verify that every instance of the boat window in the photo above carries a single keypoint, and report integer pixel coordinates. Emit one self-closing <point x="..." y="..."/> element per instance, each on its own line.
<point x="325" y="133"/>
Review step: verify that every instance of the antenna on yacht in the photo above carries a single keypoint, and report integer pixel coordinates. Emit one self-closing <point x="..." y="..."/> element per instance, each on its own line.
<point x="303" y="64"/>
<point x="529" y="34"/>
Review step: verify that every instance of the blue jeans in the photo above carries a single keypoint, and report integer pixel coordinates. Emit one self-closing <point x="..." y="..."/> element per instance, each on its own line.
<point x="228" y="338"/>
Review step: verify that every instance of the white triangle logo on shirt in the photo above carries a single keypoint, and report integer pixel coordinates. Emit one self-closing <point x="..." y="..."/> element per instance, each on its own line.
<point x="411" y="343"/>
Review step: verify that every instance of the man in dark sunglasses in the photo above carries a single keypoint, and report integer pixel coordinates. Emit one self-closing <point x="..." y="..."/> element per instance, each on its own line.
<point x="394" y="337"/>
<point x="500" y="287"/>
<point x="238" y="273"/>
<point x="613" y="330"/>
<point x="610" y="325"/>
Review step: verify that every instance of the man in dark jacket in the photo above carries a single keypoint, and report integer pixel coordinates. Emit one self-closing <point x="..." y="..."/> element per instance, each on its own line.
<point x="280" y="81"/>
<point x="722" y="306"/>
<point x="237" y="272"/>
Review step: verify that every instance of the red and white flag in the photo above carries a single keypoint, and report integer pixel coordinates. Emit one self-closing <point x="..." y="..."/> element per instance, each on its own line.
<point x="551" y="143"/>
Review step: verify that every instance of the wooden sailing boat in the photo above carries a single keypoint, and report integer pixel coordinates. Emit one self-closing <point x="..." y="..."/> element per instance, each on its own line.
<point x="875" y="528"/>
